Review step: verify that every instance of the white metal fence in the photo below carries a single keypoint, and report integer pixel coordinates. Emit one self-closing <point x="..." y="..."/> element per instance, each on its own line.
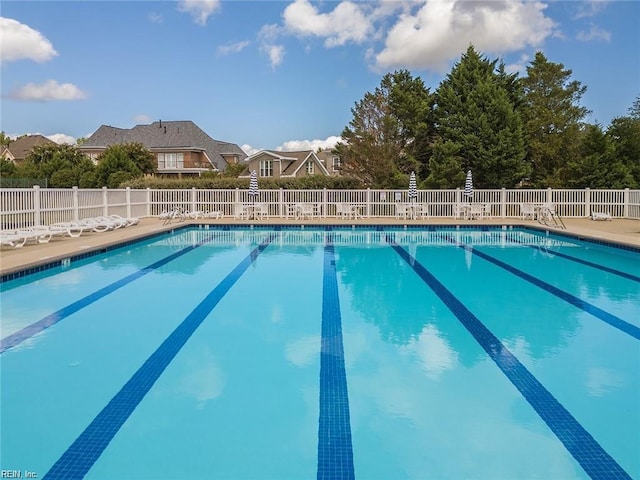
<point x="23" y="207"/>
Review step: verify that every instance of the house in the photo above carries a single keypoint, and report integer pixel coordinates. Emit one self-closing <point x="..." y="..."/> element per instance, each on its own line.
<point x="276" y="164"/>
<point x="19" y="148"/>
<point x="181" y="147"/>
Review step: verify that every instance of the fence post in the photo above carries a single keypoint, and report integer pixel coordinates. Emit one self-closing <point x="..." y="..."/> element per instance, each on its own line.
<point x="325" y="204"/>
<point x="148" y="200"/>
<point x="587" y="201"/>
<point x="76" y="213"/>
<point x="193" y="199"/>
<point x="105" y="201"/>
<point x="625" y="206"/>
<point x="549" y="195"/>
<point x="280" y="203"/>
<point x="128" y="197"/>
<point x="368" y="202"/>
<point x="37" y="213"/>
<point x="503" y="202"/>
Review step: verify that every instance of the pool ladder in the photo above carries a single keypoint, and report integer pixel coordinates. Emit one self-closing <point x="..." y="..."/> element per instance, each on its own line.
<point x="550" y="218"/>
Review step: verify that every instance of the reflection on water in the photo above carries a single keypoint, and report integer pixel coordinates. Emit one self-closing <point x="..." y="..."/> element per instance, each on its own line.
<point x="303" y="351"/>
<point x="434" y="352"/>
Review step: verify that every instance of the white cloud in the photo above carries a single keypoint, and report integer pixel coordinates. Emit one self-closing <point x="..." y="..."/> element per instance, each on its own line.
<point x="347" y="22"/>
<point x="200" y="10"/>
<point x="50" y="90"/>
<point x="154" y="17"/>
<point x="440" y="30"/>
<point x="142" y="119"/>
<point x="21" y="42"/>
<point x="590" y="8"/>
<point x="62" y="138"/>
<point x="297" y="145"/>
<point x="249" y="150"/>
<point x="520" y="66"/>
<point x="594" y="33"/>
<point x="232" y="48"/>
<point x="275" y="52"/>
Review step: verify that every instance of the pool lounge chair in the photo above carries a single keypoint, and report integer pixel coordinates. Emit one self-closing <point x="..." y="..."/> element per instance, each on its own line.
<point x="128" y="221"/>
<point x="12" y="239"/>
<point x="71" y="229"/>
<point x="600" y="216"/>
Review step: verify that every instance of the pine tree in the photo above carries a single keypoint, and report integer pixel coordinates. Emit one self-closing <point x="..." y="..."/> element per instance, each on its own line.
<point x="552" y="120"/>
<point x="478" y="126"/>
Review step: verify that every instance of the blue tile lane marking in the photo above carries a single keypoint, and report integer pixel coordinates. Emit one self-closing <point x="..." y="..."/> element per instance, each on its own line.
<point x="87" y="448"/>
<point x="335" y="452"/>
<point x="46" y="322"/>
<point x="585" y="449"/>
<point x="597" y="312"/>
<point x="604" y="268"/>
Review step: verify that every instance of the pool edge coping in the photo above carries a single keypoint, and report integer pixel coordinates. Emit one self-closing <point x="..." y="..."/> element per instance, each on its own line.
<point x="60" y="260"/>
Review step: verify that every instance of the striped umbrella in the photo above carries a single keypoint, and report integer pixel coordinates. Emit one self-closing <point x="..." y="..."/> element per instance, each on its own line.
<point x="253" y="185"/>
<point x="413" y="191"/>
<point x="468" y="186"/>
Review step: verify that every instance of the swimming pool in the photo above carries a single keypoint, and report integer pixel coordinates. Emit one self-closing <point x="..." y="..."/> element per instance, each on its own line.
<point x="330" y="352"/>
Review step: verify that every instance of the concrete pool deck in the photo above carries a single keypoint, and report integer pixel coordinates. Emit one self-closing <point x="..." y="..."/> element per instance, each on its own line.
<point x="619" y="231"/>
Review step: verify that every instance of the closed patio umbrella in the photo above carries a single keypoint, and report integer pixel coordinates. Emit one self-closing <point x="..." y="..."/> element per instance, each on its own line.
<point x="253" y="186"/>
<point x="468" y="186"/>
<point x="413" y="191"/>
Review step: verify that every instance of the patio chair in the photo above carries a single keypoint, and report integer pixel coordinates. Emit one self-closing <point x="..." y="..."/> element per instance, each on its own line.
<point x="402" y="210"/>
<point x="307" y="210"/>
<point x="421" y="210"/>
<point x="477" y="211"/>
<point x="261" y="210"/>
<point x="527" y="211"/>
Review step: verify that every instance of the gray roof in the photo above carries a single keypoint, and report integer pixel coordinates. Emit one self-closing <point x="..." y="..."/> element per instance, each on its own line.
<point x="23" y="146"/>
<point x="166" y="135"/>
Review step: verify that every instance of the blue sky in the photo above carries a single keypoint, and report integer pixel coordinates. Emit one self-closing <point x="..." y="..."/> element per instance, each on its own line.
<point x="283" y="75"/>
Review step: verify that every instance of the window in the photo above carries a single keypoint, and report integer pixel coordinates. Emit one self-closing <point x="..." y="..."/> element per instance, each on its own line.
<point x="310" y="167"/>
<point x="336" y="163"/>
<point x="170" y="160"/>
<point x="266" y="168"/>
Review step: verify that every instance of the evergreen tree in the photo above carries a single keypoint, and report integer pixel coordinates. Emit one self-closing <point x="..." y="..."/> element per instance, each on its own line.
<point x="552" y="120"/>
<point x="478" y="126"/>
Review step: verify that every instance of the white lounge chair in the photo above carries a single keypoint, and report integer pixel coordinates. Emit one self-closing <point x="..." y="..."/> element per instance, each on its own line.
<point x="601" y="216"/>
<point x="72" y="229"/>
<point x="12" y="239"/>
<point x="128" y="220"/>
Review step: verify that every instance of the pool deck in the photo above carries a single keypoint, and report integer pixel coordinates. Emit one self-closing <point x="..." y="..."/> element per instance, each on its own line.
<point x="619" y="231"/>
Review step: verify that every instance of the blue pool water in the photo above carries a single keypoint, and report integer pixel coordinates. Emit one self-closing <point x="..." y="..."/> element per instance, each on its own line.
<point x="331" y="353"/>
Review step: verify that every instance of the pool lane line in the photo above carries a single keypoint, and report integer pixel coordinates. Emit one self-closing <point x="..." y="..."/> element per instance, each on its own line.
<point x="30" y="330"/>
<point x="595" y="461"/>
<point x="335" y="450"/>
<point x="604" y="268"/>
<point x="78" y="459"/>
<point x="597" y="312"/>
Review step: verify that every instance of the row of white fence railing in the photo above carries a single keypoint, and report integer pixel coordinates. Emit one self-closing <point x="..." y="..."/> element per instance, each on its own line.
<point x="23" y="207"/>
